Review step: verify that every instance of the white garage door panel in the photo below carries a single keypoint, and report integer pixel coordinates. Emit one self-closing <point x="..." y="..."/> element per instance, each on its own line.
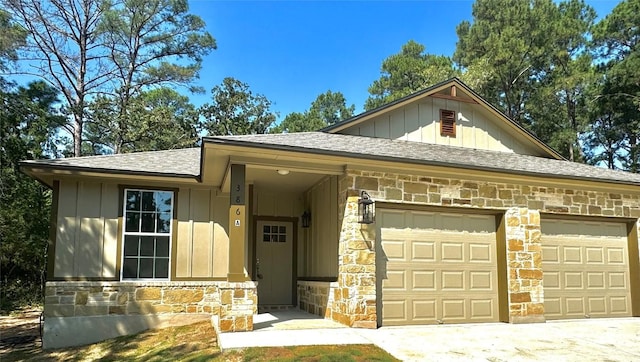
<point x="437" y="266"/>
<point x="586" y="269"/>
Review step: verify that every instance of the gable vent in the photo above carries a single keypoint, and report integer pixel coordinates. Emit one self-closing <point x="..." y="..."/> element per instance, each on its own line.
<point x="447" y="123"/>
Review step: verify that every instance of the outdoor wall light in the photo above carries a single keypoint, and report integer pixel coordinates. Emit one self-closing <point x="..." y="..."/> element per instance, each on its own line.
<point x="283" y="172"/>
<point x="366" y="209"/>
<point x="306" y="219"/>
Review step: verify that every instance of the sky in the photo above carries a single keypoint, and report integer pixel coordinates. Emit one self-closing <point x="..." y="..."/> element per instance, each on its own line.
<point x="292" y="51"/>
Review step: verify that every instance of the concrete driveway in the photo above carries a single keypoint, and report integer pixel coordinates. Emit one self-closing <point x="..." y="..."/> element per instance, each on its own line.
<point x="616" y="339"/>
<point x="584" y="340"/>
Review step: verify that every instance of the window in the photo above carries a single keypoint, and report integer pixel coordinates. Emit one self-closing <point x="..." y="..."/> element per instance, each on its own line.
<point x="447" y="123"/>
<point x="147" y="219"/>
<point x="274" y="234"/>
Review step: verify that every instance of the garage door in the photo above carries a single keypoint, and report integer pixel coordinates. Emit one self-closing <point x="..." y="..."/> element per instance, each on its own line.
<point x="586" y="269"/>
<point x="437" y="267"/>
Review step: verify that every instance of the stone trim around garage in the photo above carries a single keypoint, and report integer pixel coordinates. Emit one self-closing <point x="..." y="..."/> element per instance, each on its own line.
<point x="231" y="306"/>
<point x="521" y="205"/>
<point x="402" y="188"/>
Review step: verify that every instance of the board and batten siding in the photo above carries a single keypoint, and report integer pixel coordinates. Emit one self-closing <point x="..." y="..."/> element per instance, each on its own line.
<point x="86" y="237"/>
<point x="321" y="243"/>
<point x="420" y="122"/>
<point x="87" y="240"/>
<point x="202" y="248"/>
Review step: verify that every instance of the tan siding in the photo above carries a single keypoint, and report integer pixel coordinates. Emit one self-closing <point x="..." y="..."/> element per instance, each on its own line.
<point x="202" y="246"/>
<point x="109" y="215"/>
<point x="86" y="242"/>
<point x="90" y="236"/>
<point x="202" y="233"/>
<point x="221" y="236"/>
<point x="278" y="203"/>
<point x="420" y="122"/>
<point x="66" y="234"/>
<point x="322" y="243"/>
<point x="183" y="244"/>
<point x="87" y="237"/>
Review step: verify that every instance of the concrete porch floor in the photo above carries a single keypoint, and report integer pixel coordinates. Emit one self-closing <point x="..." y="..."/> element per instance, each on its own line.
<point x="291" y="327"/>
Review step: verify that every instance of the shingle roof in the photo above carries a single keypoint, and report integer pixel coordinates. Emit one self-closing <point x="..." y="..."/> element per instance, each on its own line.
<point x="179" y="163"/>
<point x="429" y="154"/>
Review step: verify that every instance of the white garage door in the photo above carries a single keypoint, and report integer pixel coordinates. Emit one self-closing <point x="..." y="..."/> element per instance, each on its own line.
<point x="437" y="267"/>
<point x="586" y="269"/>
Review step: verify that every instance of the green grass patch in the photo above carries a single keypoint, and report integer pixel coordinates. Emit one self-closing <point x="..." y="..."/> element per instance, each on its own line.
<point x="192" y="343"/>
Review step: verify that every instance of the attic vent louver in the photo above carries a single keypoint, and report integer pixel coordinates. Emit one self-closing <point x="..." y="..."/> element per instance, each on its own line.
<point x="447" y="123"/>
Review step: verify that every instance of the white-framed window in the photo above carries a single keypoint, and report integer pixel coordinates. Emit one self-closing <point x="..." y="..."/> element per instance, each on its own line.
<point x="146" y="234"/>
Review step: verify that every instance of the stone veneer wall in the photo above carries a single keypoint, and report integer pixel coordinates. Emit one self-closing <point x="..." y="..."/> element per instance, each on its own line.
<point x="316" y="297"/>
<point x="233" y="304"/>
<point x="354" y="299"/>
<point x="524" y="265"/>
<point x="395" y="187"/>
<point x="522" y="205"/>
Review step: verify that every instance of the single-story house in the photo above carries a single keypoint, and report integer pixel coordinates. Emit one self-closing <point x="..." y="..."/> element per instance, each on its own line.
<point x="473" y="219"/>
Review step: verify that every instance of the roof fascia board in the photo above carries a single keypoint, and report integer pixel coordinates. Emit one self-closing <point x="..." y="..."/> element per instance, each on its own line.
<point x="60" y="170"/>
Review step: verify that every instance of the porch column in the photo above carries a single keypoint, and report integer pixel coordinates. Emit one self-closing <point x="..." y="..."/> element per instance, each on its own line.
<point x="237" y="224"/>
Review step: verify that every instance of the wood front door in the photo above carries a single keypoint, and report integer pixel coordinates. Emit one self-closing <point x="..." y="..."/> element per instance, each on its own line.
<point x="274" y="262"/>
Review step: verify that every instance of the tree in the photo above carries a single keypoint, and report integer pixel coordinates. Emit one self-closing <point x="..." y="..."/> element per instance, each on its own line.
<point x="64" y="49"/>
<point x="327" y="109"/>
<point x="298" y="122"/>
<point x="28" y="120"/>
<point x="89" y="47"/>
<point x="508" y="37"/>
<point x="12" y="36"/>
<point x="617" y="102"/>
<point x="407" y="72"/>
<point x="158" y="119"/>
<point x="331" y="108"/>
<point x="151" y="43"/>
<point x="557" y="110"/>
<point x="235" y="110"/>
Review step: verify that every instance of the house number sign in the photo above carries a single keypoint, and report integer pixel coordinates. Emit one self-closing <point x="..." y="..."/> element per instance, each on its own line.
<point x="237" y="218"/>
<point x="237" y="184"/>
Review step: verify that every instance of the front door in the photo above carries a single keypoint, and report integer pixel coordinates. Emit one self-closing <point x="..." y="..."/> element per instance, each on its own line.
<point x="274" y="262"/>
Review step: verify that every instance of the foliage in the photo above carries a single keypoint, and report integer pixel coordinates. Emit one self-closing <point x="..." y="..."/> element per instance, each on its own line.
<point x="616" y="100"/>
<point x="150" y="43"/>
<point x="407" y="72"/>
<point x="64" y="49"/>
<point x="27" y="122"/>
<point x="327" y="109"/>
<point x="236" y="110"/>
<point x="558" y="110"/>
<point x="509" y="37"/>
<point x="159" y="119"/>
<point x="12" y="36"/>
<point x="118" y="50"/>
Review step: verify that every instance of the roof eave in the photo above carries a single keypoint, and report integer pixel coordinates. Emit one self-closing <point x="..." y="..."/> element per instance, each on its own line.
<point x="289" y="148"/>
<point x="32" y="169"/>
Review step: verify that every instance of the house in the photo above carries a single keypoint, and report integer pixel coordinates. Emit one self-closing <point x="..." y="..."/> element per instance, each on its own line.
<point x="476" y="220"/>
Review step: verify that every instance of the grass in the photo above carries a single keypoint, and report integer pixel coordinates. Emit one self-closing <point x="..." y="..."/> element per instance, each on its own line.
<point x="192" y="343"/>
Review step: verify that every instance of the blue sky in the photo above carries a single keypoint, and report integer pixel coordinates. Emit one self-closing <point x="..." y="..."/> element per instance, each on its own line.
<point x="292" y="51"/>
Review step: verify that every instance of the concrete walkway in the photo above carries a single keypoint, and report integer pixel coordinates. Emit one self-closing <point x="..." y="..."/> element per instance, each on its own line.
<point x="581" y="340"/>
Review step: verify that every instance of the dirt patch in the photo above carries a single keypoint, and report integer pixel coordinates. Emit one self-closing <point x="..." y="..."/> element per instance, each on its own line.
<point x="20" y="331"/>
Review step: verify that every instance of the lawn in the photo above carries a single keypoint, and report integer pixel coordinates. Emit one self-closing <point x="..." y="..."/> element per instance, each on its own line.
<point x="196" y="342"/>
